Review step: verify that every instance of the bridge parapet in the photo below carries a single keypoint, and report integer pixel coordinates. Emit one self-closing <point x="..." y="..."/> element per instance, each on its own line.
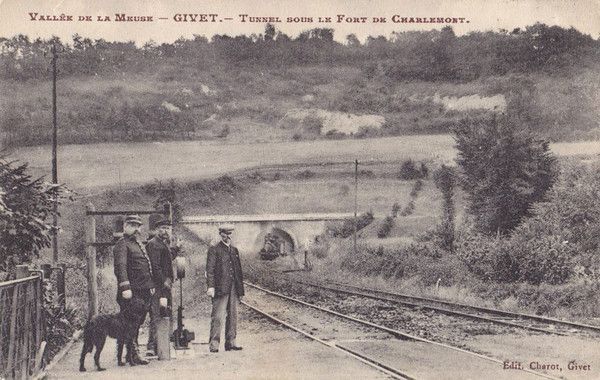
<point x="298" y="229"/>
<point x="265" y="218"/>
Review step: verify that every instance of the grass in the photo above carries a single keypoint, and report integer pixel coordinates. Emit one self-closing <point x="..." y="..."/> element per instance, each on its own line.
<point x="132" y="164"/>
<point x="277" y="189"/>
<point x="251" y="101"/>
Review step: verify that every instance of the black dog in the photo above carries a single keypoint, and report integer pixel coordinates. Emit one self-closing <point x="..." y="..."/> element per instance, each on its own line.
<point x="121" y="326"/>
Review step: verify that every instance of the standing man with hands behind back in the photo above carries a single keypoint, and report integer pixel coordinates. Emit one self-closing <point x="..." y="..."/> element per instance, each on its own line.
<point x="225" y="287"/>
<point x="133" y="270"/>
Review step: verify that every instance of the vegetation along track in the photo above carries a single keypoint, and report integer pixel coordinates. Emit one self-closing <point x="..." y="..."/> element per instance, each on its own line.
<point x="518" y="320"/>
<point x="391" y="351"/>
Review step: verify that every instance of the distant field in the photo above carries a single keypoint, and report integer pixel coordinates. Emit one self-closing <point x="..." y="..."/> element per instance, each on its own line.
<point x="96" y="166"/>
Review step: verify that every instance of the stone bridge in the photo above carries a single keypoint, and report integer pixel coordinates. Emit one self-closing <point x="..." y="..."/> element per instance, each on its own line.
<point x="295" y="231"/>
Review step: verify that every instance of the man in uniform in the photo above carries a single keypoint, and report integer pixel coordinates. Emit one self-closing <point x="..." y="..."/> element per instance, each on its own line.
<point x="225" y="287"/>
<point x="159" y="251"/>
<point x="134" y="274"/>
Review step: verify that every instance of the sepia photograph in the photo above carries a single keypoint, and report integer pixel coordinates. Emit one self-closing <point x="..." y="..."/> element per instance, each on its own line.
<point x="299" y="190"/>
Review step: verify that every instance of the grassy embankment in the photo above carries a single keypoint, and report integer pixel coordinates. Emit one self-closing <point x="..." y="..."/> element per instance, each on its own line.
<point x="330" y="189"/>
<point x="258" y="104"/>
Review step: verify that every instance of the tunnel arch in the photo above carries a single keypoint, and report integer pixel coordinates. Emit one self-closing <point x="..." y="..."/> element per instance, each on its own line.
<point x="289" y="242"/>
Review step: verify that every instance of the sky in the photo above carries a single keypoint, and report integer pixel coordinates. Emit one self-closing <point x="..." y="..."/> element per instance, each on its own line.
<point x="477" y="15"/>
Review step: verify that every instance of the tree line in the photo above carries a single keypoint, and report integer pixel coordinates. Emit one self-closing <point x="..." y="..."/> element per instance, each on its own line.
<point x="424" y="55"/>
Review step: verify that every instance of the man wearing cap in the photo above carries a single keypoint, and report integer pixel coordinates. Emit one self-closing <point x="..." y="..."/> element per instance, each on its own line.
<point x="159" y="251"/>
<point x="133" y="270"/>
<point x="226" y="288"/>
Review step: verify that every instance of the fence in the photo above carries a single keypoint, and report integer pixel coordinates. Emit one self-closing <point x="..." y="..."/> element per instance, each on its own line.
<point x="21" y="327"/>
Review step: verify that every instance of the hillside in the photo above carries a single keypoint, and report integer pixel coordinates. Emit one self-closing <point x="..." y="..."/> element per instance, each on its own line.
<point x="257" y="89"/>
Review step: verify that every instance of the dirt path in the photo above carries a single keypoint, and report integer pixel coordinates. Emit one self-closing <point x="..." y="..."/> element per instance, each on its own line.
<point x="270" y="352"/>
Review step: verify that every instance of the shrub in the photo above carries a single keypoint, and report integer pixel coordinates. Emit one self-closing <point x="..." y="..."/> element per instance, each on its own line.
<point x="169" y="193"/>
<point x="223" y="132"/>
<point x="305" y="174"/>
<point x="505" y="169"/>
<point x="25" y="206"/>
<point x="395" y="209"/>
<point x="386" y="227"/>
<point x="61" y="322"/>
<point x="444" y="179"/>
<point x="547" y="260"/>
<point x="320" y="249"/>
<point x="346" y="229"/>
<point x="409" y="209"/>
<point x="409" y="171"/>
<point x="417" y="187"/>
<point x="421" y="261"/>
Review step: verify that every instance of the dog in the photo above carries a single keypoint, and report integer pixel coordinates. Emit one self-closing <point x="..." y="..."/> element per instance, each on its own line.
<point x="121" y="326"/>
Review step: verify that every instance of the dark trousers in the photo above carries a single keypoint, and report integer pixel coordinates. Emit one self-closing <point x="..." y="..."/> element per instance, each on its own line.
<point x="142" y="294"/>
<point x="156" y="313"/>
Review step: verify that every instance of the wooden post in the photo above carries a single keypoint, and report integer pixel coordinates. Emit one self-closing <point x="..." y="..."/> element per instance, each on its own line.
<point x="90" y="238"/>
<point x="355" y="205"/>
<point x="47" y="269"/>
<point x="163" y="344"/>
<point x="39" y="296"/>
<point x="13" y="329"/>
<point x="21" y="271"/>
<point x="54" y="159"/>
<point x="26" y="350"/>
<point x="60" y="285"/>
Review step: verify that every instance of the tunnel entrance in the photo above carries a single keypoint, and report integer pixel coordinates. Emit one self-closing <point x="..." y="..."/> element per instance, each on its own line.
<point x="275" y="242"/>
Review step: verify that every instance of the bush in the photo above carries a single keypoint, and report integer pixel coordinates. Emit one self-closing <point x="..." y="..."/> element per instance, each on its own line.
<point x="223" y="132"/>
<point x="168" y="193"/>
<point x="386" y="227"/>
<point x="320" y="249"/>
<point x="417" y="187"/>
<point x="445" y="179"/>
<point x="395" y="209"/>
<point x="305" y="174"/>
<point x="346" y="229"/>
<point x="61" y="322"/>
<point x="547" y="260"/>
<point x="26" y="204"/>
<point x="420" y="261"/>
<point x="504" y="170"/>
<point x="409" y="209"/>
<point x="409" y="171"/>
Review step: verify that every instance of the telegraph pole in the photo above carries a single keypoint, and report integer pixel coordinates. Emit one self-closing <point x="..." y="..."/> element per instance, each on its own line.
<point x="355" y="202"/>
<point x="54" y="159"/>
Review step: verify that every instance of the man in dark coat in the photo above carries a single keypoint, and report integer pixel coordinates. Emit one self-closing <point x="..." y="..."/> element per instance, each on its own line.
<point x="134" y="273"/>
<point x="225" y="286"/>
<point x="159" y="251"/>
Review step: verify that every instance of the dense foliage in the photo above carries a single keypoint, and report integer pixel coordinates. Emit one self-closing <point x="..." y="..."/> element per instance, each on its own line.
<point x="427" y="55"/>
<point x="26" y="204"/>
<point x="504" y="170"/>
<point x="445" y="180"/>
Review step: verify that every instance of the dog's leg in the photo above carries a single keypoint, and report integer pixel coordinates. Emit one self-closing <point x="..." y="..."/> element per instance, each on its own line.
<point x="88" y="345"/>
<point x="82" y="358"/>
<point x="129" y="353"/>
<point x="99" y="346"/>
<point x="120" y="362"/>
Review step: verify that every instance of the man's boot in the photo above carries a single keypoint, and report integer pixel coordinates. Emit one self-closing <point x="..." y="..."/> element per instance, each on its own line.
<point x="136" y="355"/>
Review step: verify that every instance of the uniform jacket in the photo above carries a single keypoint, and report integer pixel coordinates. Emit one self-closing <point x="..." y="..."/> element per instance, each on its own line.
<point x="132" y="264"/>
<point x="162" y="265"/>
<point x="224" y="269"/>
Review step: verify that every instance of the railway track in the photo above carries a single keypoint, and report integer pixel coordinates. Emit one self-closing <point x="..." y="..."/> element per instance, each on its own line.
<point x="517" y="320"/>
<point x="358" y="338"/>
